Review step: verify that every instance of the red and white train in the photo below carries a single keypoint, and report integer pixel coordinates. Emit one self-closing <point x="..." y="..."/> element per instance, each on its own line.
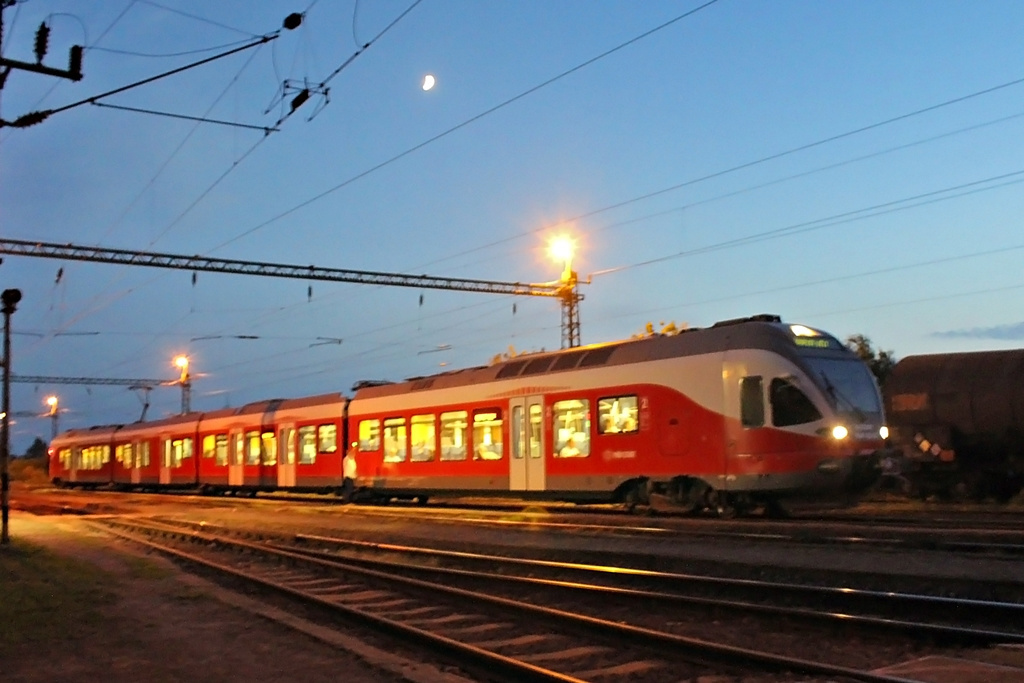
<point x="744" y="414"/>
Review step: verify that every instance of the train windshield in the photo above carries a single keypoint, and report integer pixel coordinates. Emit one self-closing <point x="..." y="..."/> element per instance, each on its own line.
<point x="849" y="384"/>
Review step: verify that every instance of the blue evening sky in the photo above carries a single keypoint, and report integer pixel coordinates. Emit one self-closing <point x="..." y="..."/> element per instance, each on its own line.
<point x="854" y="166"/>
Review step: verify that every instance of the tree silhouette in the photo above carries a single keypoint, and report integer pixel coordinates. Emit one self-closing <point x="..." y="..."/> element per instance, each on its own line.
<point x="880" y="362"/>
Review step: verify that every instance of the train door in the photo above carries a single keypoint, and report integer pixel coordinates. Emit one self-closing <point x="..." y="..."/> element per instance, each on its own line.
<point x="136" y="462"/>
<point x="236" y="458"/>
<point x="268" y="458"/>
<point x="744" y="412"/>
<point x="286" y="462"/>
<point x="526" y="431"/>
<point x="74" y="464"/>
<point x="166" y="463"/>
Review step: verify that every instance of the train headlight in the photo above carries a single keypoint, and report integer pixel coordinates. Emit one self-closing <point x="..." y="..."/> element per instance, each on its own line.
<point x="883" y="432"/>
<point x="839" y="432"/>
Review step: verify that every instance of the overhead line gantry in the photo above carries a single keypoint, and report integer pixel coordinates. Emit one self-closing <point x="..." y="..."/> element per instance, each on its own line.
<point x="565" y="289"/>
<point x="143" y="385"/>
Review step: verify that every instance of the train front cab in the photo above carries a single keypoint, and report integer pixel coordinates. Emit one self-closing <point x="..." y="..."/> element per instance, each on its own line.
<point x="804" y="424"/>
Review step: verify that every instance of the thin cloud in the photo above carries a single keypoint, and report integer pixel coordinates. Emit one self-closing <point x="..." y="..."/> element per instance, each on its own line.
<point x="1011" y="332"/>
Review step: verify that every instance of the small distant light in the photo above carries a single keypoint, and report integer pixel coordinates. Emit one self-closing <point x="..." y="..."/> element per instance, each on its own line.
<point x="883" y="432"/>
<point x="428" y="82"/>
<point x="839" y="432"/>
<point x="803" y="331"/>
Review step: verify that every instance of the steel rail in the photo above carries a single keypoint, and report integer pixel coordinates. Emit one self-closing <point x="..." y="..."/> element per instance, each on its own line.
<point x="910" y="601"/>
<point x="959" y="634"/>
<point x="704" y="651"/>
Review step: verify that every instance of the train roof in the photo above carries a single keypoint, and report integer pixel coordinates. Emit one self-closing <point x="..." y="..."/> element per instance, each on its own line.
<point x="934" y="370"/>
<point x="759" y="332"/>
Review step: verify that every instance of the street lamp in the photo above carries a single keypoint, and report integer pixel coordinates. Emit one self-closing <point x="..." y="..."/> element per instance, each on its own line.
<point x="52" y="402"/>
<point x="10" y="299"/>
<point x="181" y="362"/>
<point x="561" y="248"/>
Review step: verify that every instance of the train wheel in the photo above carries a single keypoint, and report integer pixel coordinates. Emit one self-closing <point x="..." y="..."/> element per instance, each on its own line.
<point x="636" y="496"/>
<point x="776" y="510"/>
<point x="721" y="504"/>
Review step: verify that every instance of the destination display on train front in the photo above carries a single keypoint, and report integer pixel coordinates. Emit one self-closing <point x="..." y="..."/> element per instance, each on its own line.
<point x="812" y="339"/>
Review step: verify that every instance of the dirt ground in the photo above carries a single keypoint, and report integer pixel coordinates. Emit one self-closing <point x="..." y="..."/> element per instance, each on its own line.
<point x="165" y="625"/>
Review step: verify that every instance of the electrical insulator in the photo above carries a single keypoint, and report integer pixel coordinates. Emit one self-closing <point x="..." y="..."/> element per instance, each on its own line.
<point x="42" y="41"/>
<point x="293" y="21"/>
<point x="300" y="99"/>
<point x="75" y="62"/>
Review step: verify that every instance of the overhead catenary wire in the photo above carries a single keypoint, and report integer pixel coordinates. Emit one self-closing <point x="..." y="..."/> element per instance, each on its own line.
<point x="739" y="167"/>
<point x="467" y="122"/>
<point x="39" y="116"/>
<point x="185" y="117"/>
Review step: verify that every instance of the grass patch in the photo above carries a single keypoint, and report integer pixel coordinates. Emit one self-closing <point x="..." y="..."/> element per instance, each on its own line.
<point x="32" y="471"/>
<point x="47" y="597"/>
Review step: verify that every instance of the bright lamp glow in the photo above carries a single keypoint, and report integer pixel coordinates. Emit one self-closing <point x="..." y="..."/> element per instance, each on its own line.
<point x="839" y="432"/>
<point x="181" y="362"/>
<point x="561" y="248"/>
<point x="883" y="432"/>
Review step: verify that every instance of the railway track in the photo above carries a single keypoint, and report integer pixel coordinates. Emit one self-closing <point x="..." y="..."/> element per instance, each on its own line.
<point x="990" y="621"/>
<point x="984" y="536"/>
<point x="489" y="636"/>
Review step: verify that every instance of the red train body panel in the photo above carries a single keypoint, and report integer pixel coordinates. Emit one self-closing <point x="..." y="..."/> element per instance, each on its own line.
<point x="742" y="414"/>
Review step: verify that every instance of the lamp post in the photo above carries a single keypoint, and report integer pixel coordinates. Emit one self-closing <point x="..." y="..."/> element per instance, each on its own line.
<point x="561" y="248"/>
<point x="10" y="299"/>
<point x="186" y="384"/>
<point x="52" y="402"/>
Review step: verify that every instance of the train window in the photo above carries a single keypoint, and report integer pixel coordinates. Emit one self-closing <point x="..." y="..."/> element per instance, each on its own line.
<point x="94" y="457"/>
<point x="394" y="439"/>
<point x="64" y="455"/>
<point x="123" y="454"/>
<point x="252" y="448"/>
<point x="424" y="438"/>
<point x="268" y="444"/>
<point x="239" y="448"/>
<point x="597" y="357"/>
<point x="790" y="405"/>
<point x="571" y="428"/>
<point x="307" y="445"/>
<point x="453" y="435"/>
<point x="487" y="442"/>
<point x="751" y="402"/>
<point x="516" y="432"/>
<point x="327" y="438"/>
<point x="209" y="446"/>
<point x="568" y="361"/>
<point x="537" y="366"/>
<point x="143" y="455"/>
<point x="617" y="415"/>
<point x="511" y="369"/>
<point x="369" y="435"/>
<point x="220" y="449"/>
<point x="176" y="450"/>
<point x="536" y="429"/>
